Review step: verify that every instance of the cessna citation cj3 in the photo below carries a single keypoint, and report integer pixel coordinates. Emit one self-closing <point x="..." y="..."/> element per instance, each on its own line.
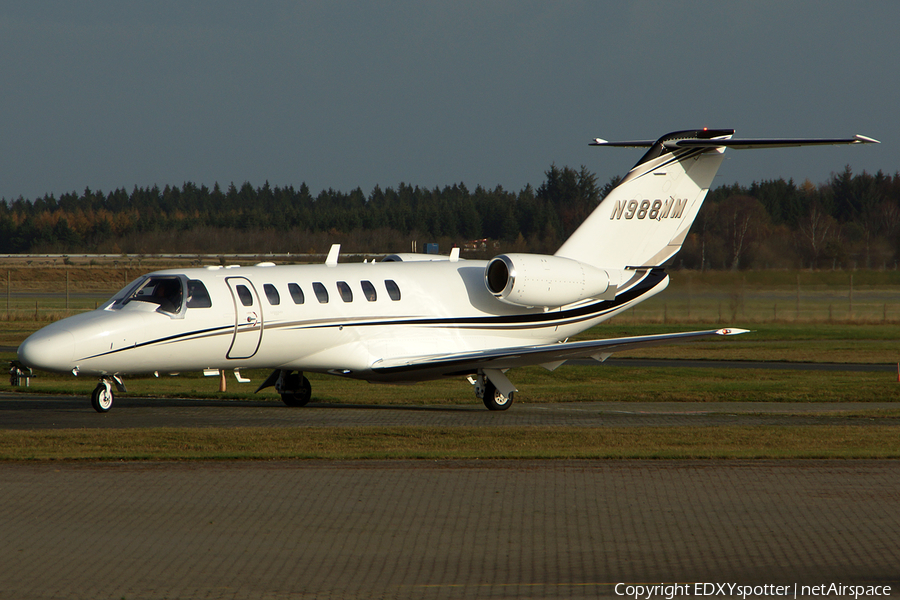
<point x="410" y="317"/>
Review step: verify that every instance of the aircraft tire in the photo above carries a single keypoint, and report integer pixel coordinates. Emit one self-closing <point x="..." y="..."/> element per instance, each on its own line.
<point x="494" y="400"/>
<point x="102" y="397"/>
<point x="300" y="392"/>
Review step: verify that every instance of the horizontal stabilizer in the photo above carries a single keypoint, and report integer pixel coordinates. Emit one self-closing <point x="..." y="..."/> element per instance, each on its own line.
<point x="635" y="144"/>
<point x="746" y="144"/>
<point x="739" y="144"/>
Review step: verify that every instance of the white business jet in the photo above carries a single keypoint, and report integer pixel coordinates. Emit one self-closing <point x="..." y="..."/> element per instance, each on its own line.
<point x="410" y="317"/>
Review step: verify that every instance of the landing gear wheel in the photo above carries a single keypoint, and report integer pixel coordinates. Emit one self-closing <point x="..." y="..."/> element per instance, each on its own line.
<point x="297" y="390"/>
<point x="102" y="397"/>
<point x="494" y="400"/>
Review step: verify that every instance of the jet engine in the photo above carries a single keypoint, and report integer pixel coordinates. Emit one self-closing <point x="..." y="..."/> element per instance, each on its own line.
<point x="549" y="281"/>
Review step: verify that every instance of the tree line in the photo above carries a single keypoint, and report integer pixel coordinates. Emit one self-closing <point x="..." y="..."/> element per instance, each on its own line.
<point x="850" y="221"/>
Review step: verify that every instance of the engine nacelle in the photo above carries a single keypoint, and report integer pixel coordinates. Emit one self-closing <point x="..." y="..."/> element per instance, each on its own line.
<point x="548" y="281"/>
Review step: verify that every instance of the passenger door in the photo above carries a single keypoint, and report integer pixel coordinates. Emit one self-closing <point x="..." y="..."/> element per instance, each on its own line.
<point x="248" y="318"/>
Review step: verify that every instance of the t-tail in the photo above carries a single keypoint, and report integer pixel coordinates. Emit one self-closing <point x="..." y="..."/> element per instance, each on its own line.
<point x="644" y="220"/>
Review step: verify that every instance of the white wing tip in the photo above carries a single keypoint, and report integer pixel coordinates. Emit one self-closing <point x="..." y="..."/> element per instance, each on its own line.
<point x="862" y="139"/>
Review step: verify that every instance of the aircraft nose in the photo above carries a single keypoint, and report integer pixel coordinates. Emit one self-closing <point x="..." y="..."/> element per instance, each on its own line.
<point x="48" y="350"/>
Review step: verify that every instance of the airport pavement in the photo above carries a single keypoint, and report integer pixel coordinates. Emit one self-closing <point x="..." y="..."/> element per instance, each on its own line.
<point x="437" y="529"/>
<point x="34" y="411"/>
<point x="444" y="529"/>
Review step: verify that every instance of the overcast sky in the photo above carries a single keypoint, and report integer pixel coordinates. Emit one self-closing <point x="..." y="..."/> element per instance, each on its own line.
<point x="345" y="94"/>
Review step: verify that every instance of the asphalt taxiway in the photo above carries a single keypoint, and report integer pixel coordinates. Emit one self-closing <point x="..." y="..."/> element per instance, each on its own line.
<point x="35" y="412"/>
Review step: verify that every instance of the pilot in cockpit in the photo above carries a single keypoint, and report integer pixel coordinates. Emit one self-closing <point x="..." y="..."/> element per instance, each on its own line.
<point x="168" y="293"/>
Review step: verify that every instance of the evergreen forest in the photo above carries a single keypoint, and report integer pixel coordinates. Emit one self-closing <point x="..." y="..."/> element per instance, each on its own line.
<point x="850" y="221"/>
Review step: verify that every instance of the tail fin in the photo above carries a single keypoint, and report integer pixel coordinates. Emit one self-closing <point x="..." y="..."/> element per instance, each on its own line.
<point x="645" y="219"/>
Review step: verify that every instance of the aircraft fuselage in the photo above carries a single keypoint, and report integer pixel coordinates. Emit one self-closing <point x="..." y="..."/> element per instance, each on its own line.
<point x="341" y="319"/>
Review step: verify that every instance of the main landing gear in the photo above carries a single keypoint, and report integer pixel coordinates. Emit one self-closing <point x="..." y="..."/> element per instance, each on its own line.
<point x="294" y="388"/>
<point x="102" y="397"/>
<point x="494" y="397"/>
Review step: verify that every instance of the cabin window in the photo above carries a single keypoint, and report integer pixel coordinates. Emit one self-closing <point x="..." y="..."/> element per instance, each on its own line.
<point x="321" y="292"/>
<point x="344" y="289"/>
<point x="198" y="297"/>
<point x="296" y="293"/>
<point x="369" y="291"/>
<point x="272" y="294"/>
<point x="244" y="294"/>
<point x="393" y="289"/>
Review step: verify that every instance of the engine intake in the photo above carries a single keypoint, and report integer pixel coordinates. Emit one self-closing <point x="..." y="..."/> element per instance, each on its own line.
<point x="549" y="281"/>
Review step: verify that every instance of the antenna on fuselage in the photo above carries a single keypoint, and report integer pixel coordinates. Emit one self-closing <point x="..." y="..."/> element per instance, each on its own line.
<point x="332" y="259"/>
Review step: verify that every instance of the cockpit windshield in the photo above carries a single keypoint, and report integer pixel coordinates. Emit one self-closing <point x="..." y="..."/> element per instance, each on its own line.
<point x="166" y="291"/>
<point x="123" y="294"/>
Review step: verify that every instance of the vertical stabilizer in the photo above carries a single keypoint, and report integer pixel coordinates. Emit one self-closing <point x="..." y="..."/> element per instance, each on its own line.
<point x="645" y="219"/>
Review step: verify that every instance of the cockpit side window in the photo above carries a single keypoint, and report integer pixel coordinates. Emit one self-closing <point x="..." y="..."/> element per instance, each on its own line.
<point x="165" y="291"/>
<point x="198" y="297"/>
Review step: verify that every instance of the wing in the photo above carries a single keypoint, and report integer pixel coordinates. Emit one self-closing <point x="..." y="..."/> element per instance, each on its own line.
<point x="548" y="355"/>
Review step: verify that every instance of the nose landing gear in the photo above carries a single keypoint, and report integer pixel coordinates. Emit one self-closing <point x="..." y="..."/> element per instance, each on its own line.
<point x="102" y="397"/>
